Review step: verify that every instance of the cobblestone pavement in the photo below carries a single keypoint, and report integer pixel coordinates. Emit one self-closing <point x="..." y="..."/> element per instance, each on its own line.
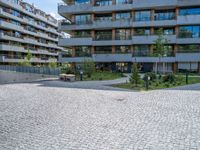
<point x="48" y="116"/>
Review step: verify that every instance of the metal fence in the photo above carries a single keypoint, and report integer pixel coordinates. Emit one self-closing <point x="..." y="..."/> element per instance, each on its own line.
<point x="36" y="70"/>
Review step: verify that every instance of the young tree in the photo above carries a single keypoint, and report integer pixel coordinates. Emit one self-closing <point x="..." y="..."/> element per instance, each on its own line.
<point x="160" y="47"/>
<point x="67" y="69"/>
<point x="52" y="64"/>
<point x="88" y="67"/>
<point x="29" y="56"/>
<point x="26" y="62"/>
<point x="135" y="77"/>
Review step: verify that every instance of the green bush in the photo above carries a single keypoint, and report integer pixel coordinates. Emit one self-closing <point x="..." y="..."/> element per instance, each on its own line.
<point x="52" y="64"/>
<point x="151" y="75"/>
<point x="169" y="78"/>
<point x="88" y="68"/>
<point x="135" y="77"/>
<point x="67" y="69"/>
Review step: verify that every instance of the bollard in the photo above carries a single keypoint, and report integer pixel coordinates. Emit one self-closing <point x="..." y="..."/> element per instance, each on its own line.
<point x="81" y="75"/>
<point x="186" y="78"/>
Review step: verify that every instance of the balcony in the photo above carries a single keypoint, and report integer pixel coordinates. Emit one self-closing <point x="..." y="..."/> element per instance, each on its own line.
<point x="82" y="41"/>
<point x="153" y="59"/>
<point x="74" y="59"/>
<point x="121" y="23"/>
<point x="116" y="7"/>
<point x="7" y="36"/>
<point x="155" y="23"/>
<point x="137" y="4"/>
<point x="188" y="57"/>
<point x="112" y="57"/>
<point x="8" y="25"/>
<point x="188" y="3"/>
<point x="14" y="48"/>
<point x="187" y="40"/>
<point x="188" y="20"/>
<point x="150" y="39"/>
<point x="64" y="9"/>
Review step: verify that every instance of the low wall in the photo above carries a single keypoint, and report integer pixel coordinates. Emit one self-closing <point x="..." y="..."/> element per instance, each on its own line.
<point x="17" y="77"/>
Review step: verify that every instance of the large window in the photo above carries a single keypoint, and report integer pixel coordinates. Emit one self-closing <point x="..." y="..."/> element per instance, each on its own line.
<point x="166" y="31"/>
<point x="104" y="35"/>
<point x="142" y="15"/>
<point x="83" y="19"/>
<point x="78" y="34"/>
<point x="103" y="2"/>
<point x="122" y="2"/>
<point x="123" y="15"/>
<point x="189" y="11"/>
<point x="100" y="17"/>
<point x="103" y="50"/>
<point x="77" y="2"/>
<point x="188" y="48"/>
<point x="122" y="49"/>
<point x="141" y="50"/>
<point x="164" y="15"/>
<point x="83" y="51"/>
<point x="122" y="34"/>
<point x="189" y="32"/>
<point x="142" y="31"/>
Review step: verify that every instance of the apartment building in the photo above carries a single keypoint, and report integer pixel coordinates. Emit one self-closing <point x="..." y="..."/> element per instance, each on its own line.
<point x="25" y="28"/>
<point x="117" y="33"/>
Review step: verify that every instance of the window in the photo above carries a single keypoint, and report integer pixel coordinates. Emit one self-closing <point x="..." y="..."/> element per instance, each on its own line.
<point x="103" y="50"/>
<point x="123" y="49"/>
<point x="166" y="31"/>
<point x="189" y="32"/>
<point x="82" y="2"/>
<point x="164" y="15"/>
<point x="100" y="17"/>
<point x="103" y="2"/>
<point x="123" y="15"/>
<point x="188" y="48"/>
<point x="83" y="51"/>
<point x="83" y="19"/>
<point x="82" y="34"/>
<point x="104" y="35"/>
<point x="189" y="11"/>
<point x="142" y="16"/>
<point x="141" y="50"/>
<point x="123" y="2"/>
<point x="142" y="31"/>
<point x="123" y="34"/>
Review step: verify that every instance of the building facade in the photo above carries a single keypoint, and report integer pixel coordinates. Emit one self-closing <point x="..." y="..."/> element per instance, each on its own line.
<point x="117" y="33"/>
<point x="23" y="29"/>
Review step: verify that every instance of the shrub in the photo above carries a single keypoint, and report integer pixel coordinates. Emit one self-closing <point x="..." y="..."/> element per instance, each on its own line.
<point x="151" y="75"/>
<point x="52" y="64"/>
<point x="135" y="77"/>
<point x="67" y="69"/>
<point x="169" y="78"/>
<point x="88" y="67"/>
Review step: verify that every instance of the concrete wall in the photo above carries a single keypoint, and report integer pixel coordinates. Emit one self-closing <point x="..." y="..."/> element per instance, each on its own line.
<point x="17" y="77"/>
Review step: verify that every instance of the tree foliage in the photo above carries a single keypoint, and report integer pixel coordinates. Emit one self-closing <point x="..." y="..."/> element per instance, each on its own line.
<point x="160" y="46"/>
<point x="67" y="69"/>
<point x="135" y="77"/>
<point x="52" y="64"/>
<point x="27" y="61"/>
<point x="88" y="67"/>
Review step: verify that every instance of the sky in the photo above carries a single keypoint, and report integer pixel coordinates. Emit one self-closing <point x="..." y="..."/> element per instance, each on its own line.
<point x="48" y="6"/>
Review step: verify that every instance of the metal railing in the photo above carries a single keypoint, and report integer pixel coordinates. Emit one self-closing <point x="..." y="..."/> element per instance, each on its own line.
<point x="34" y="70"/>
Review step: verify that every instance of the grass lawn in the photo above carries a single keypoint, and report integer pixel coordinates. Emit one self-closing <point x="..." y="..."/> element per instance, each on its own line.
<point x="159" y="84"/>
<point x="101" y="75"/>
